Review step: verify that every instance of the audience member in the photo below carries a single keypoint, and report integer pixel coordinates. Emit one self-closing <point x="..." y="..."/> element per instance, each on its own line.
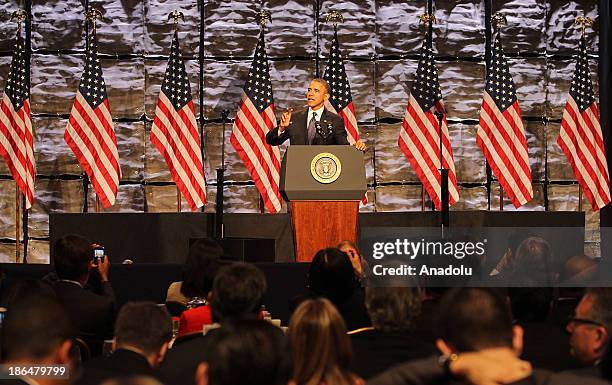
<point x="579" y="270"/>
<point x="531" y="308"/>
<point x="194" y="290"/>
<point x="142" y="333"/>
<point x="246" y="352"/>
<point x="471" y="319"/>
<point x="360" y="266"/>
<point x="590" y="329"/>
<point x="199" y="272"/>
<point x="238" y="290"/>
<point x="391" y="339"/>
<point x="331" y="276"/>
<point x="320" y="346"/>
<point x="430" y="299"/>
<point x="475" y="320"/>
<point x="505" y="264"/>
<point x="534" y="264"/>
<point x="20" y="288"/>
<point x="37" y="331"/>
<point x="93" y="314"/>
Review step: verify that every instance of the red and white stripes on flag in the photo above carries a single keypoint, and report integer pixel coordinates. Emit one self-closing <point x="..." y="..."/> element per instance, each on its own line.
<point x="175" y="131"/>
<point x="89" y="132"/>
<point x="254" y="119"/>
<point x="419" y="137"/>
<point x="580" y="137"/>
<point x="16" y="138"/>
<point x="501" y="134"/>
<point x="340" y="99"/>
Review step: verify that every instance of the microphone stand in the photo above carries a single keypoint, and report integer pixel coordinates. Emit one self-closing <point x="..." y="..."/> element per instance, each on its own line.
<point x="219" y="228"/>
<point x="444" y="219"/>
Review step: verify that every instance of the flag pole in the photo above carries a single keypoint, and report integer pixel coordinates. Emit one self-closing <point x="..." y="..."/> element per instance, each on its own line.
<point x="17" y="224"/>
<point x="422" y="197"/>
<point x="582" y="21"/>
<point x="20" y="15"/>
<point x="427" y="19"/>
<point x="263" y="16"/>
<point x="497" y="21"/>
<point x="177" y="15"/>
<point x="93" y="15"/>
<point x="219" y="228"/>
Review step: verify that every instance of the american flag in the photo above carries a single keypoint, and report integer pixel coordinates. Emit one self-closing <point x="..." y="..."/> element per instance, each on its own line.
<point x="89" y="132"/>
<point x="175" y="131"/>
<point x="254" y="119"/>
<point x="340" y="100"/>
<point x="580" y="136"/>
<point x="501" y="134"/>
<point x="16" y="138"/>
<point x="419" y="137"/>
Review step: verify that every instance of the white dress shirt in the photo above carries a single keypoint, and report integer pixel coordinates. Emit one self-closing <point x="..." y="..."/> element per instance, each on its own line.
<point x="311" y="112"/>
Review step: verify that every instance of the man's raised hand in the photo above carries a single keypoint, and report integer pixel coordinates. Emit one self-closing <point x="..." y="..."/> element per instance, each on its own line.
<point x="285" y="120"/>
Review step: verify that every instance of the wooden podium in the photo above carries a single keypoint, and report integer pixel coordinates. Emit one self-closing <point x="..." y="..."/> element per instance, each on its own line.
<point x="324" y="185"/>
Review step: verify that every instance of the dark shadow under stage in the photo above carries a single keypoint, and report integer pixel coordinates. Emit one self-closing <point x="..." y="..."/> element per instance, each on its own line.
<point x="150" y="281"/>
<point x="158" y="243"/>
<point x="164" y="238"/>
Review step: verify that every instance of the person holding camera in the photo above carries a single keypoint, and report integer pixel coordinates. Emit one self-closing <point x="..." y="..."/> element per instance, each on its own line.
<point x="76" y="261"/>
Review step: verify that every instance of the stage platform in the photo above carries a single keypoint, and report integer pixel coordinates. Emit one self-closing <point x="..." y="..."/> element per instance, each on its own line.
<point x="157" y="245"/>
<point x="164" y="238"/>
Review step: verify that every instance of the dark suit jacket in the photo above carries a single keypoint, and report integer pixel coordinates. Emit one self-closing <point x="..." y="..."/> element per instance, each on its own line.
<point x="92" y="314"/>
<point x="546" y="346"/>
<point x="375" y="351"/>
<point x="122" y="363"/>
<point x="182" y="360"/>
<point x="297" y="131"/>
<point x="428" y="372"/>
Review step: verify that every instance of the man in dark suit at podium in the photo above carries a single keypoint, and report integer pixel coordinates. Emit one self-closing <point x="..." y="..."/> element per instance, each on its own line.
<point x="313" y="126"/>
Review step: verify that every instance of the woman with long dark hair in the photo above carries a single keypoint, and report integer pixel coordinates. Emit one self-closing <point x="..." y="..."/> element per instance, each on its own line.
<point x="320" y="345"/>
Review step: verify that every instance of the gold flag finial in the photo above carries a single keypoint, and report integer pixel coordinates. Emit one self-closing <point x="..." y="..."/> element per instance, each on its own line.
<point x="93" y="15"/>
<point x="498" y="20"/>
<point x="176" y="15"/>
<point x="334" y="17"/>
<point x="20" y="15"/>
<point x="583" y="21"/>
<point x="427" y="18"/>
<point x="262" y="17"/>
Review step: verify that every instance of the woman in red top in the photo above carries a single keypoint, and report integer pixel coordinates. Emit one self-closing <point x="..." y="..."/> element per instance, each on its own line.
<point x="199" y="271"/>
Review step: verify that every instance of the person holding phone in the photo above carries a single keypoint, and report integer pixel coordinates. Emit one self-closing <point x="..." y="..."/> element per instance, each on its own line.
<point x="74" y="260"/>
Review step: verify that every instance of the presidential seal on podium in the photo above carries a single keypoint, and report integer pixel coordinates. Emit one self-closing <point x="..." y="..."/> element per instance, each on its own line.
<point x="325" y="167"/>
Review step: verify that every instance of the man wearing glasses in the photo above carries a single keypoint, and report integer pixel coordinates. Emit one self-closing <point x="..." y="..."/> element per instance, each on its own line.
<point x="590" y="327"/>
